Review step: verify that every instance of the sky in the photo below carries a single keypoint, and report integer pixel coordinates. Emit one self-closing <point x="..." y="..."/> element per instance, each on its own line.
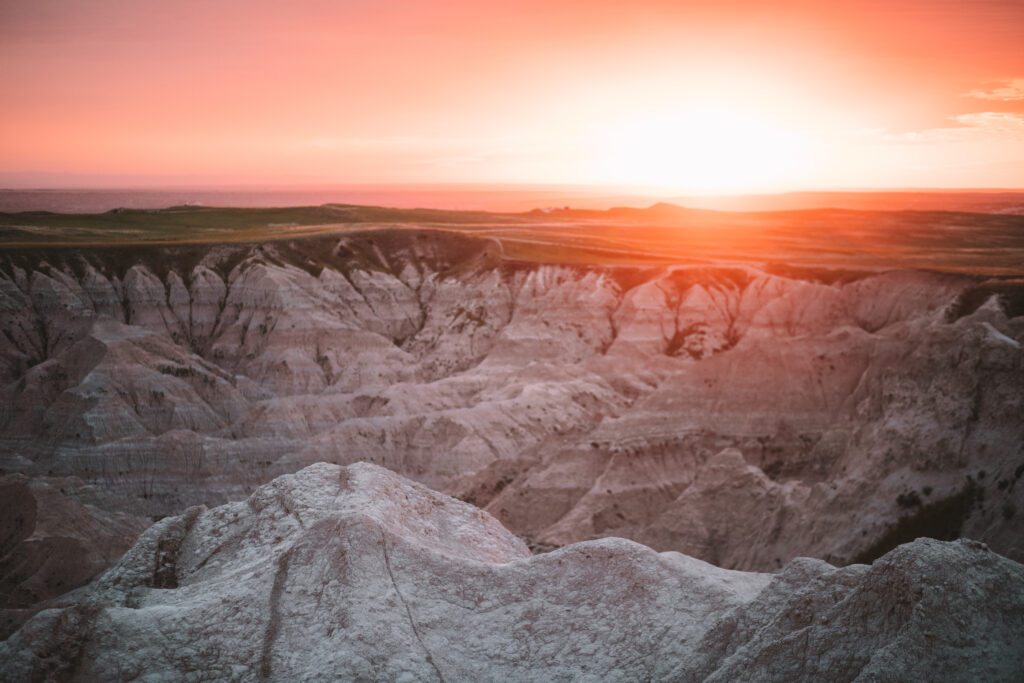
<point x="684" y="96"/>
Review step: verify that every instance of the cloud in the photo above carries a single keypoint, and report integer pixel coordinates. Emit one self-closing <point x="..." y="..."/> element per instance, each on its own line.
<point x="407" y="142"/>
<point x="986" y="125"/>
<point x="1011" y="90"/>
<point x="994" y="121"/>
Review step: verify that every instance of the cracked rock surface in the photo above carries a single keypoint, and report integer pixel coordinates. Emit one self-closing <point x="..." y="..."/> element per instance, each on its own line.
<point x="354" y="573"/>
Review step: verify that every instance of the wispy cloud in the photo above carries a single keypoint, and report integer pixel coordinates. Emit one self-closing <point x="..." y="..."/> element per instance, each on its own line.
<point x="1009" y="90"/>
<point x="410" y="142"/>
<point x="978" y="126"/>
<point x="993" y="121"/>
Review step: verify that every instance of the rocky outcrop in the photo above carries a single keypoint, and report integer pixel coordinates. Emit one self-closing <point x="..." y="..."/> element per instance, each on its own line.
<point x="896" y="423"/>
<point x="355" y="573"/>
<point x="839" y="413"/>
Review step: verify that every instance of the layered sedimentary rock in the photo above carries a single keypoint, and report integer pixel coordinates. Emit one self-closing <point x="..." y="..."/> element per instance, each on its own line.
<point x="740" y="413"/>
<point x="357" y="574"/>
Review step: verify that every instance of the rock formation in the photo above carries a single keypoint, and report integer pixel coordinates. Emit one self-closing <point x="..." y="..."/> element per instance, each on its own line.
<point x="357" y="574"/>
<point x="744" y="414"/>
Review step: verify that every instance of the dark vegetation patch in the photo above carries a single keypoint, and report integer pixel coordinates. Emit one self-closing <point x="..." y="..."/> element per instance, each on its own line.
<point x="178" y="371"/>
<point x="1009" y="293"/>
<point x="941" y="520"/>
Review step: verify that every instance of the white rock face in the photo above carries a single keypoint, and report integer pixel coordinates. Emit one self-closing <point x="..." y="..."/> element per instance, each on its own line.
<point x="743" y="417"/>
<point x="357" y="574"/>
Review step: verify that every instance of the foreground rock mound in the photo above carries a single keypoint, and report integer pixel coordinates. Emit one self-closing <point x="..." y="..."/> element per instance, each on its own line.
<point x="357" y="574"/>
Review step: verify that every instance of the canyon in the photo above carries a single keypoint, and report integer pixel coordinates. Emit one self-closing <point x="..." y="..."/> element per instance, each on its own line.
<point x="738" y="412"/>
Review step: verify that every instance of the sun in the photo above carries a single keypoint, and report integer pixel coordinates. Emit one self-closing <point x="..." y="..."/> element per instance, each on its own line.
<point x="706" y="149"/>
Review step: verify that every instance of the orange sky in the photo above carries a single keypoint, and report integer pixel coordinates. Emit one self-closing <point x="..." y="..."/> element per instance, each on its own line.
<point x="693" y="96"/>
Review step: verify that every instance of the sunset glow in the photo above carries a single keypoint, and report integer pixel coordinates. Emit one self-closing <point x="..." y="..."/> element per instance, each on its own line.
<point x="694" y="96"/>
<point x="705" y="150"/>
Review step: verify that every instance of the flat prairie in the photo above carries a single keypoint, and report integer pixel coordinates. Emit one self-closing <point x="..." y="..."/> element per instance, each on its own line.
<point x="976" y="243"/>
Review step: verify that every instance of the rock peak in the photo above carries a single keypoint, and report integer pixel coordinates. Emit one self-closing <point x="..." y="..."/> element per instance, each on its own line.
<point x="356" y="573"/>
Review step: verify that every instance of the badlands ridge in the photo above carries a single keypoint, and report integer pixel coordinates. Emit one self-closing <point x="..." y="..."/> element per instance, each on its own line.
<point x="354" y="573"/>
<point x="744" y="414"/>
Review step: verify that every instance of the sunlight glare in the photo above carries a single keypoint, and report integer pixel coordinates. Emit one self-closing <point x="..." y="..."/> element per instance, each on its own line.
<point x="707" y="150"/>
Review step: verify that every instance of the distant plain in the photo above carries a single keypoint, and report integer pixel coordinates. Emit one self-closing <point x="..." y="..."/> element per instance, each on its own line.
<point x="990" y="244"/>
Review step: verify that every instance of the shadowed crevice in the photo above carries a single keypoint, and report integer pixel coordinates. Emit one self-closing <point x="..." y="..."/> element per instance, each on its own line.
<point x="408" y="611"/>
<point x="274" y="622"/>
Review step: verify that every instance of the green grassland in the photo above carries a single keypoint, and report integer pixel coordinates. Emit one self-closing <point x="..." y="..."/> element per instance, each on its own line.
<point x="985" y="244"/>
<point x="186" y="224"/>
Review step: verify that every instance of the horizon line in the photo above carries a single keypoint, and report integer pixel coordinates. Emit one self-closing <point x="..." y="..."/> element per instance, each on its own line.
<point x="501" y="187"/>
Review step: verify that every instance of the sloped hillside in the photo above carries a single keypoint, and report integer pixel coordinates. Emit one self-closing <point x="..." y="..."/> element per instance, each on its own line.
<point x="357" y="574"/>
